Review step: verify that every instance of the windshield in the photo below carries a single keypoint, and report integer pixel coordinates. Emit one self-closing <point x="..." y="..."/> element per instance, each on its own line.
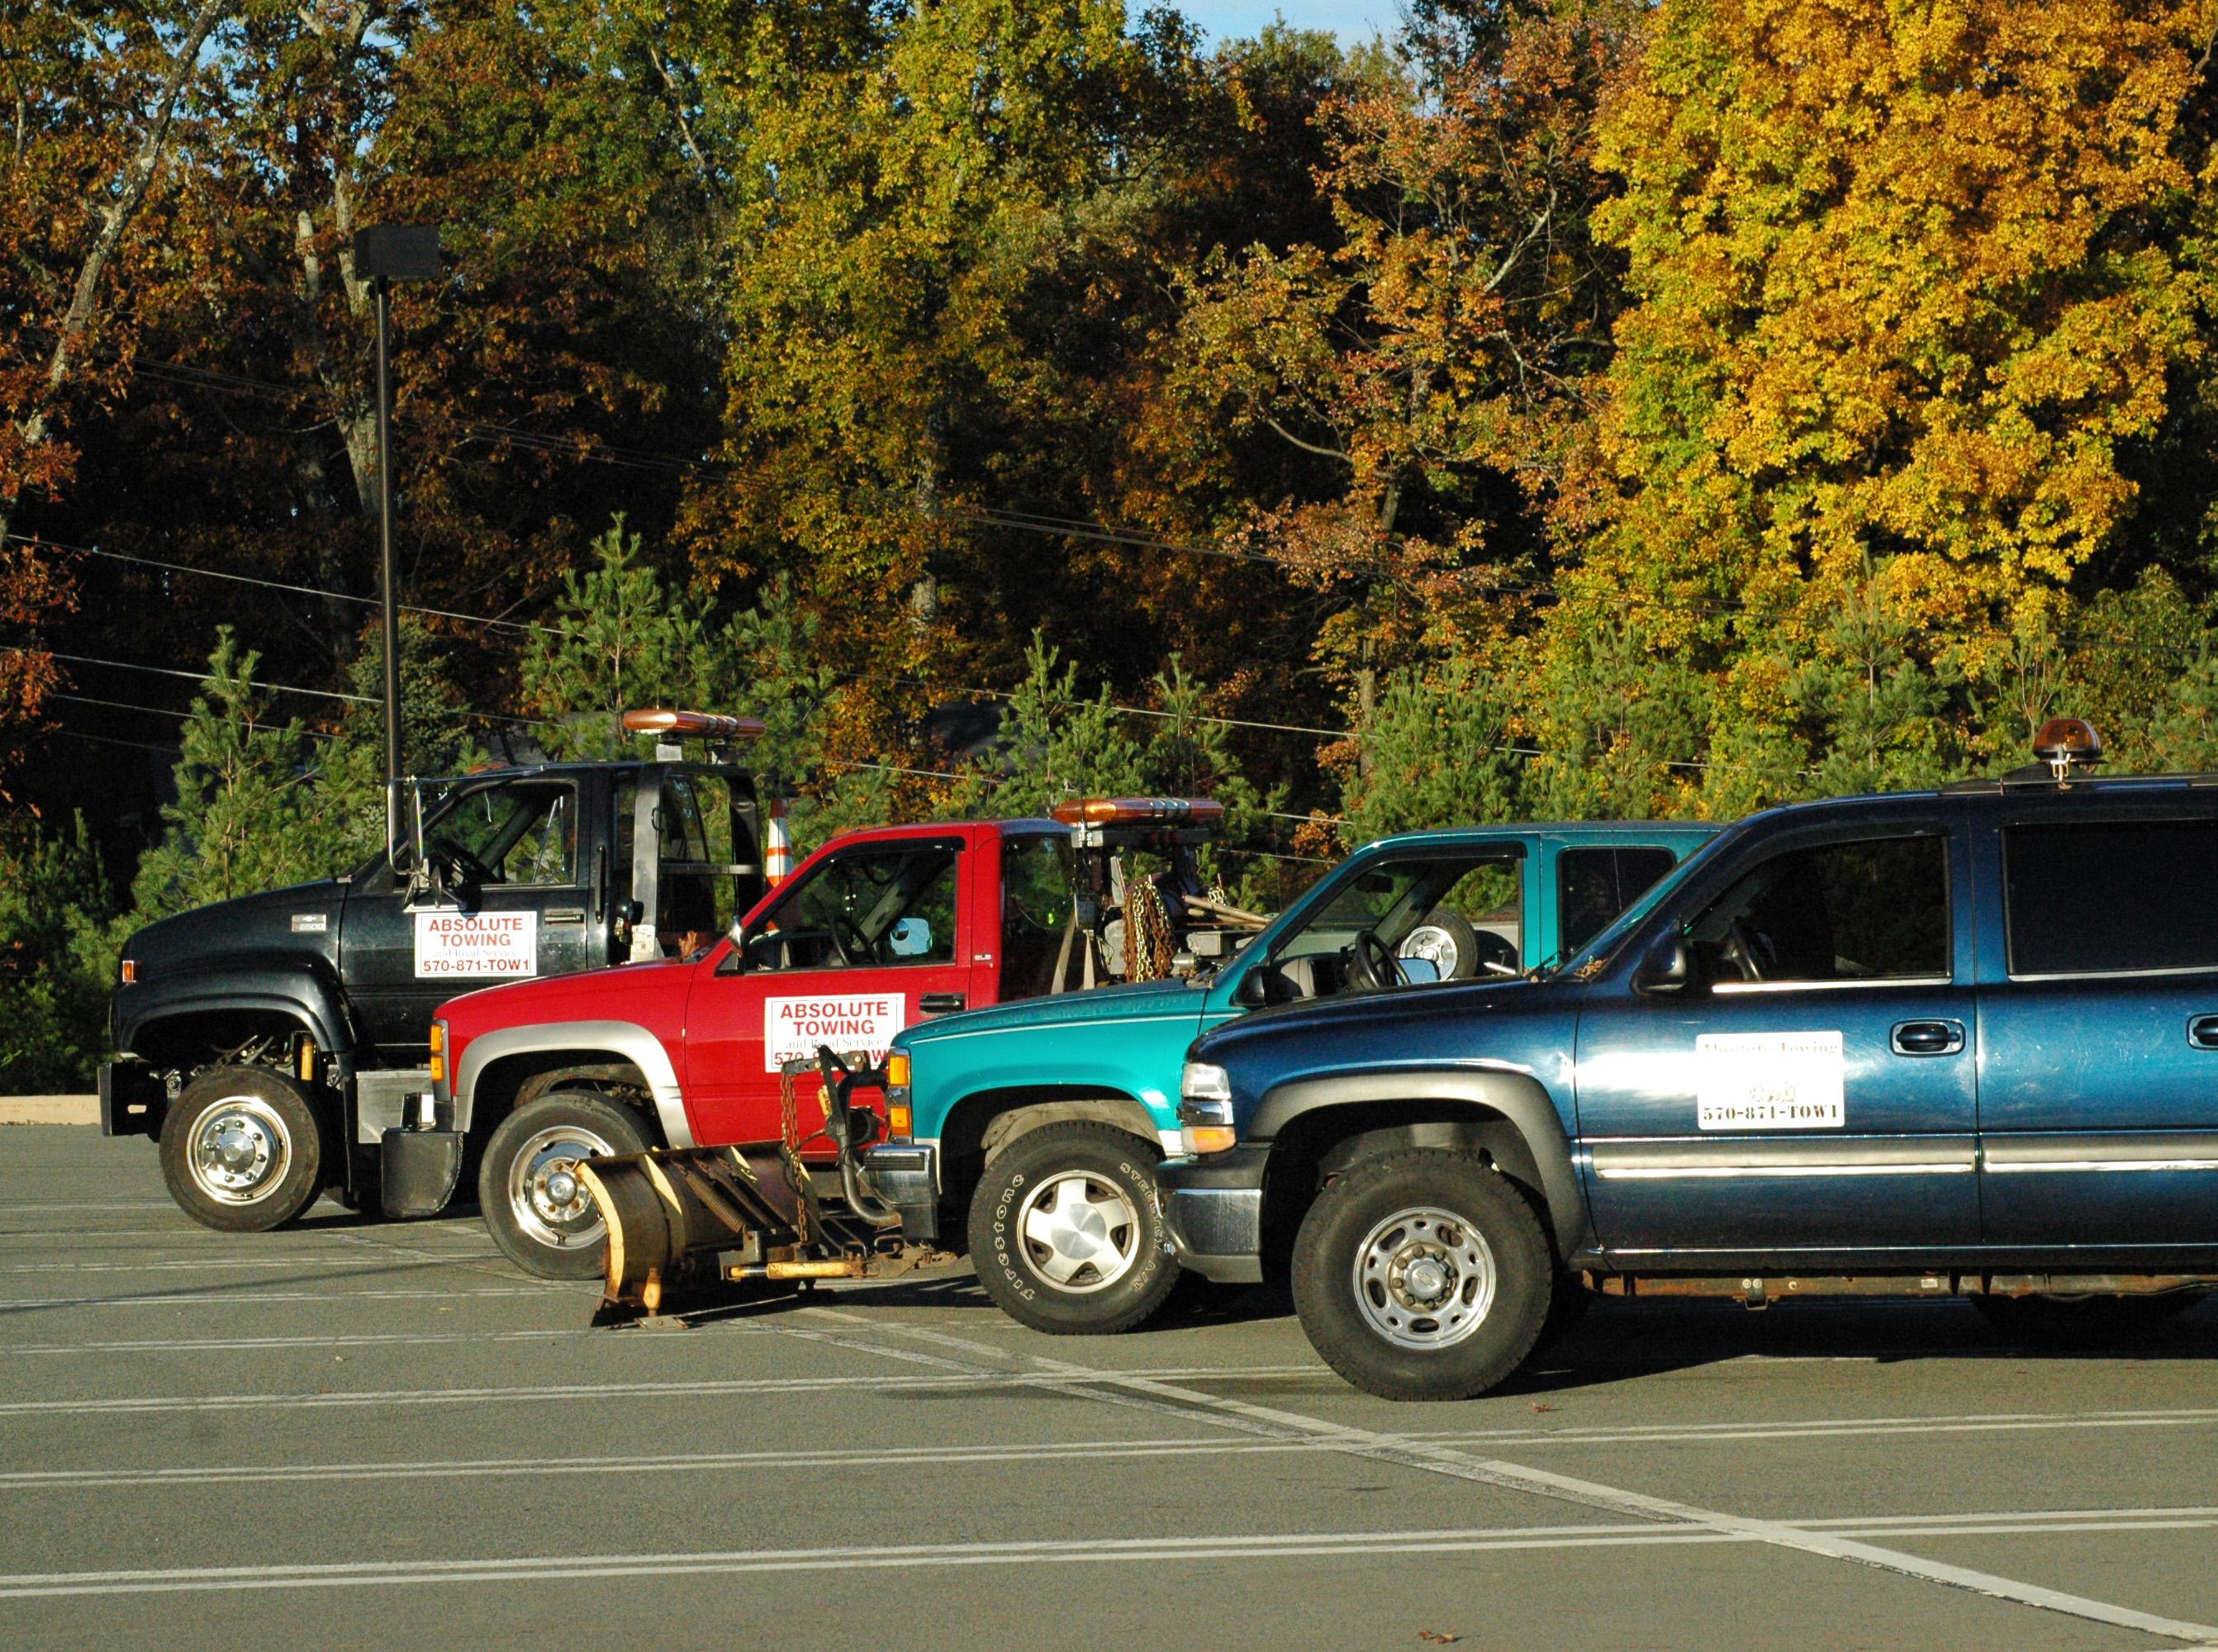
<point x="1596" y="953"/>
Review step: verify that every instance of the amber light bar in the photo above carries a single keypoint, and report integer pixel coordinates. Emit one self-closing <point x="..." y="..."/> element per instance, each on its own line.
<point x="705" y="725"/>
<point x="1138" y="810"/>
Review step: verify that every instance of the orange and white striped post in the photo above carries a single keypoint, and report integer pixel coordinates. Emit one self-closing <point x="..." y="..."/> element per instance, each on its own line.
<point x="777" y="845"/>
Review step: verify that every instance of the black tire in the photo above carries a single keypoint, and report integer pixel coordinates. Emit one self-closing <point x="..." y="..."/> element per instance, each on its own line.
<point x="1044" y="1174"/>
<point x="2068" y="1322"/>
<point x="243" y="1151"/>
<point x="544" y="1223"/>
<point x="1426" y="1205"/>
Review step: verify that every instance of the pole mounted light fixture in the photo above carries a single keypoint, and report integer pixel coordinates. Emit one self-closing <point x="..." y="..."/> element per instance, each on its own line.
<point x="383" y="254"/>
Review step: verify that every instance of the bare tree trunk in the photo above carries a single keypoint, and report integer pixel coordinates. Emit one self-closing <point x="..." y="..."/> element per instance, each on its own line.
<point x="115" y="218"/>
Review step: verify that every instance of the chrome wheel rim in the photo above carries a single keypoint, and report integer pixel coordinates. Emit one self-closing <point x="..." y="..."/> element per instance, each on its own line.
<point x="1080" y="1231"/>
<point x="1424" y="1279"/>
<point x="548" y="1198"/>
<point x="240" y="1150"/>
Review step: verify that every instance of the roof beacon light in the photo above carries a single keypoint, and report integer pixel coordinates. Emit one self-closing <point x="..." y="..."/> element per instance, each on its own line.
<point x="2068" y="743"/>
<point x="680" y="725"/>
<point x="1138" y="810"/>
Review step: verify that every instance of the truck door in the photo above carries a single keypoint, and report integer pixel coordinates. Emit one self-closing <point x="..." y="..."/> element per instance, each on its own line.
<point x="1814" y="1088"/>
<point x="508" y="853"/>
<point x="858" y="945"/>
<point x="2098" y="1097"/>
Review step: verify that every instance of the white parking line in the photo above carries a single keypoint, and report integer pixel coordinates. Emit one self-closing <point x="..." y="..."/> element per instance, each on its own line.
<point x="365" y="1339"/>
<point x="15" y="1205"/>
<point x="329" y="1259"/>
<point x="1086" y="1451"/>
<point x="1441" y="1459"/>
<point x="223" y="1296"/>
<point x="1396" y="1544"/>
<point x="378" y="1398"/>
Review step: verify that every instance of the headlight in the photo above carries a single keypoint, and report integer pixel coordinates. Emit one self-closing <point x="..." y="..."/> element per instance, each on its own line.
<point x="1205" y="1081"/>
<point x="1206" y="1110"/>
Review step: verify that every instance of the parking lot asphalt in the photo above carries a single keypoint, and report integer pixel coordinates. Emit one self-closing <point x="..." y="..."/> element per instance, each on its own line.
<point x="355" y="1434"/>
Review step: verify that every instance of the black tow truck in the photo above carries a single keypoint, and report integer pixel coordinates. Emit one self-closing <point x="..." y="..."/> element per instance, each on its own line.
<point x="279" y="1046"/>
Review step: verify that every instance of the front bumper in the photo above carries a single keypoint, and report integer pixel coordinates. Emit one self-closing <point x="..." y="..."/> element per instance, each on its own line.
<point x="1213" y="1207"/>
<point x="906" y="1174"/>
<point x="132" y="1098"/>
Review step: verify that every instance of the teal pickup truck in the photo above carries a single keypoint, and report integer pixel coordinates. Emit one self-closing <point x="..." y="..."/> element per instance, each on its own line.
<point x="1028" y="1133"/>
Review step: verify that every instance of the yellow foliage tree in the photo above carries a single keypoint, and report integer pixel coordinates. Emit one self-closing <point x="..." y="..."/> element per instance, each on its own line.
<point x="1908" y="277"/>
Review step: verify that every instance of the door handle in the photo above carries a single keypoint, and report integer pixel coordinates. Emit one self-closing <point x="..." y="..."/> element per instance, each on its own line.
<point x="566" y="914"/>
<point x="942" y="1003"/>
<point x="2202" y="1031"/>
<point x="1928" y="1037"/>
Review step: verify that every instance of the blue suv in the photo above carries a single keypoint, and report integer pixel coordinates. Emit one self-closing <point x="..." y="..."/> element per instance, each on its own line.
<point x="1954" y="1043"/>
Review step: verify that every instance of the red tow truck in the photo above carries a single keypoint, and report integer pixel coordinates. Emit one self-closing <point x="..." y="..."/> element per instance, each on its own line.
<point x="877" y="929"/>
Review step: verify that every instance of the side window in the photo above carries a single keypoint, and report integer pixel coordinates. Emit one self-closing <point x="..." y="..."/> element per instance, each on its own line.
<point x="1451" y="915"/>
<point x="523" y="834"/>
<point x="1594" y="885"/>
<point x="1036" y="911"/>
<point x="2111" y="897"/>
<point x="1874" y="910"/>
<point x="875" y="906"/>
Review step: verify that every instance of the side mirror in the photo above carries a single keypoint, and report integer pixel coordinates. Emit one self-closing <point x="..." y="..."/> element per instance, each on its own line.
<point x="1254" y="992"/>
<point x="1668" y="966"/>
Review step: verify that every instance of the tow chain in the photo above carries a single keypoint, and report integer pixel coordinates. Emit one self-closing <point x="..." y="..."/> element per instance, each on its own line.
<point x="1148" y="943"/>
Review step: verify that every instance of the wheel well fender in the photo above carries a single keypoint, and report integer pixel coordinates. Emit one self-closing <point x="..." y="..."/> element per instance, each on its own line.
<point x="982" y="1124"/>
<point x="1318" y="1127"/>
<point x="499" y="1071"/>
<point x="181" y="1022"/>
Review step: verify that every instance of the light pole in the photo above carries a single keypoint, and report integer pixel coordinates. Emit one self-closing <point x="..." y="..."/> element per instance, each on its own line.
<point x="385" y="253"/>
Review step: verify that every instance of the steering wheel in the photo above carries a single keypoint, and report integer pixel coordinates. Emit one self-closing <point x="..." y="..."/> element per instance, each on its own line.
<point x="1740" y="952"/>
<point x="849" y="941"/>
<point x="1372" y="962"/>
<point x="469" y="868"/>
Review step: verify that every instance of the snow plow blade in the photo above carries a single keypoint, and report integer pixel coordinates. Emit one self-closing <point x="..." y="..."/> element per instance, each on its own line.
<point x="689" y="1226"/>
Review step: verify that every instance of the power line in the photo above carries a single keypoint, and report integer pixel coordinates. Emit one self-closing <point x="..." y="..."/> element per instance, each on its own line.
<point x="282" y="584"/>
<point x="106" y="740"/>
<point x="170" y="711"/>
<point x="273" y="688"/>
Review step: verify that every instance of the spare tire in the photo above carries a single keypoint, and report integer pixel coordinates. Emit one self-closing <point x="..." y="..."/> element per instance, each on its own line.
<point x="1447" y="941"/>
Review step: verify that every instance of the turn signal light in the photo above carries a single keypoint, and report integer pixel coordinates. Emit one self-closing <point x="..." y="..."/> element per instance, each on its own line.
<point x="898" y="1121"/>
<point x="897" y="1070"/>
<point x="705" y="725"/>
<point x="130" y="971"/>
<point x="1138" y="810"/>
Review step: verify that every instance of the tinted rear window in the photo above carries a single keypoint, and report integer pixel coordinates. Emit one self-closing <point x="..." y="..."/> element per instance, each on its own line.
<point x="1594" y="885"/>
<point x="2104" y="896"/>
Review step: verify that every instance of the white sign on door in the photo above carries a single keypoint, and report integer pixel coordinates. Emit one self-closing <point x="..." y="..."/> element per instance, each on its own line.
<point x="453" y="943"/>
<point x="1769" y="1081"/>
<point x="794" y="1027"/>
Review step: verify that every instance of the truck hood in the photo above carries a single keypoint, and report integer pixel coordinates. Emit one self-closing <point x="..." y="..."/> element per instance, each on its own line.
<point x="615" y="993"/>
<point x="1365" y="1015"/>
<point x="275" y="921"/>
<point x="1062" y="1009"/>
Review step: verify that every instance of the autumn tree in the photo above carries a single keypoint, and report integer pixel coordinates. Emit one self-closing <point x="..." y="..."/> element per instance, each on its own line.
<point x="97" y="95"/>
<point x="1421" y="355"/>
<point x="1908" y="285"/>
